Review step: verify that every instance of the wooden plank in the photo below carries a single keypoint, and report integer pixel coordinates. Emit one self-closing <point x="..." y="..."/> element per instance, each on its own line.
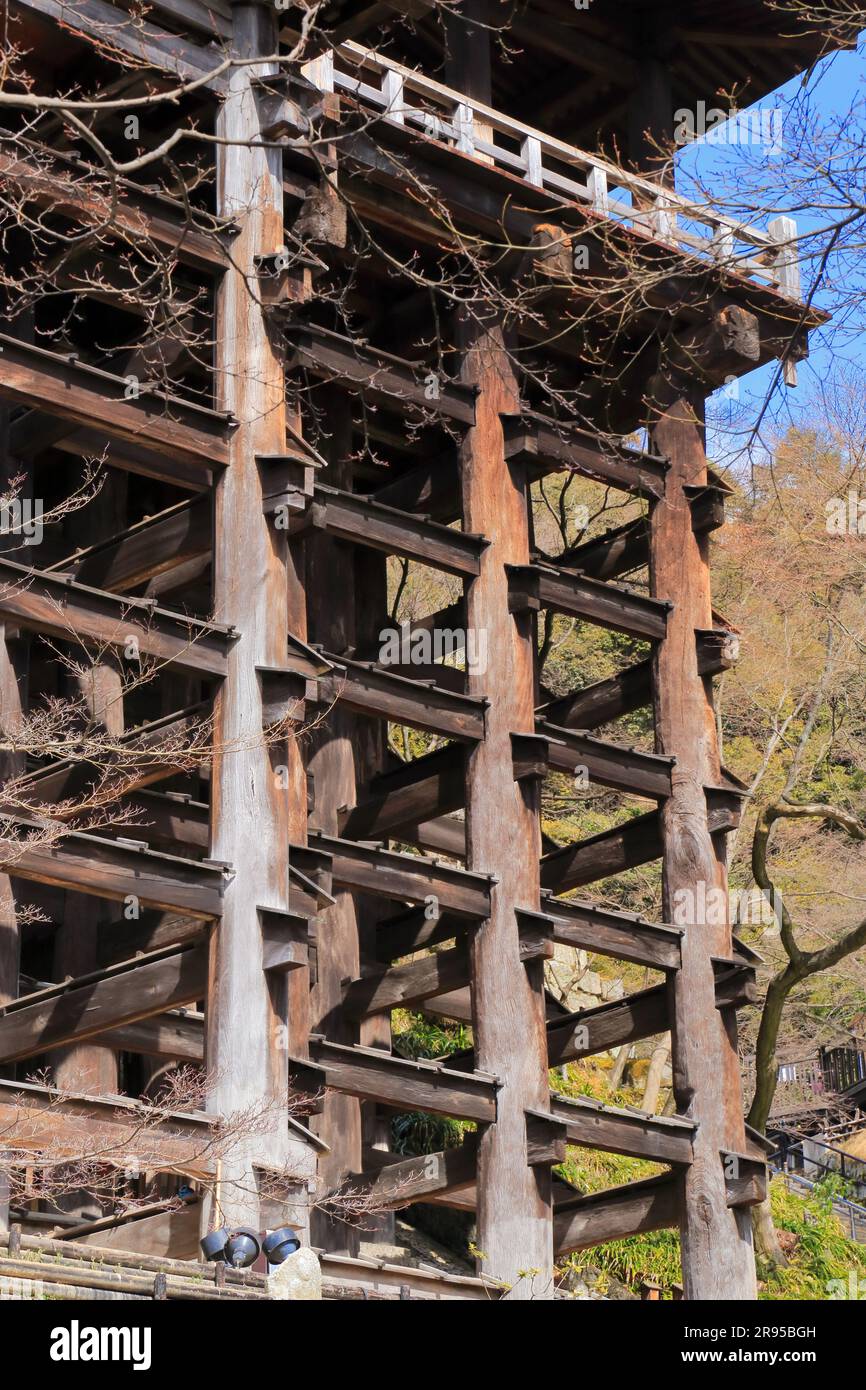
<point x="406" y="877"/>
<point x="361" y="521"/>
<point x="71" y="389"/>
<point x="114" y="869"/>
<point x="50" y="603"/>
<point x="379" y="376"/>
<point x="373" y="1074"/>
<point x="155" y="546"/>
<point x="587" y="927"/>
<point x="419" y="790"/>
<point x="643" y="1014"/>
<point x="134" y="39"/>
<point x="608" y="605"/>
<point x="112" y="1129"/>
<point x="594" y="1125"/>
<point x="631" y="689"/>
<point x="65" y="184"/>
<point x="176" y="1035"/>
<point x="78" y="1010"/>
<point x="624" y="769"/>
<point x="396" y="1185"/>
<point x="403" y="986"/>
<point x="366" y="688"/>
<point x="545" y="445"/>
<point x="618" y="1212"/>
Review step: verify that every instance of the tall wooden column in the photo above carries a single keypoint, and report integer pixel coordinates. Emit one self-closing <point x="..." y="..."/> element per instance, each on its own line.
<point x="718" y="1262"/>
<point x="503" y="838"/>
<point x="247" y="1020"/>
<point x="503" y="829"/>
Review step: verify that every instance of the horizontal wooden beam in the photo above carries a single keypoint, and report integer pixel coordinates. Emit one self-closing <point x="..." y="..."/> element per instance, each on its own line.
<point x="84" y="1008"/>
<point x="594" y="1125"/>
<point x="616" y="1213"/>
<point x="360" y="521"/>
<point x="151" y="931"/>
<point x="379" y="376"/>
<point x="406" y="985"/>
<point x="65" y="184"/>
<point x="46" y="602"/>
<point x="431" y="785"/>
<point x="150" y="754"/>
<point x="372" y="1074"/>
<point x="113" y="869"/>
<point x="177" y="1034"/>
<point x="155" y="546"/>
<point x="618" y="934"/>
<point x="625" y="769"/>
<point x="67" y="387"/>
<point x="136" y="39"/>
<point x="631" y="689"/>
<point x="609" y="605"/>
<point x="431" y="487"/>
<point x="545" y="445"/>
<point x="415" y="930"/>
<point x="618" y="551"/>
<point x="395" y="1185"/>
<point x="114" y="1130"/>
<point x="366" y="688"/>
<point x="410" y="878"/>
<point x="625" y="846"/>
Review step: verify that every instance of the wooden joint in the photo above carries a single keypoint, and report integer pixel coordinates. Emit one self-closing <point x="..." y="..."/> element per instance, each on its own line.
<point x="285" y="940"/>
<point x="736" y="984"/>
<point x="546" y="1138"/>
<point x="530" y="756"/>
<point x="284" y="695"/>
<point x="523" y="589"/>
<point x="535" y="930"/>
<point x="287" y="481"/>
<point x="707" y="506"/>
<point x="718" y="650"/>
<point x="745" y="1178"/>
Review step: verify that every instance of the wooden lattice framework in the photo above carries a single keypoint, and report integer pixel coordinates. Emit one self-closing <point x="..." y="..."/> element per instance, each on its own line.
<point x="287" y="856"/>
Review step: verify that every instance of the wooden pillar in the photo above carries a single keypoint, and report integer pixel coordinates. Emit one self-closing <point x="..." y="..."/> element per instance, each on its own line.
<point x="502" y="817"/>
<point x="251" y="816"/>
<point x="332" y="766"/>
<point x="718" y="1262"/>
<point x="89" y="1066"/>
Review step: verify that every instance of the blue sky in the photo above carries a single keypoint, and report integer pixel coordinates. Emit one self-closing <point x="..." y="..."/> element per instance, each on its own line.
<point x="837" y="84"/>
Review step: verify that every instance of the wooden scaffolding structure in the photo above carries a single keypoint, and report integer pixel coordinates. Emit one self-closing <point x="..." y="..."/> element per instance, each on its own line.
<point x="284" y="898"/>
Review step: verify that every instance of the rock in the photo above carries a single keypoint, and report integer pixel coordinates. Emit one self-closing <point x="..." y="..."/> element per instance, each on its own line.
<point x="299" y="1277"/>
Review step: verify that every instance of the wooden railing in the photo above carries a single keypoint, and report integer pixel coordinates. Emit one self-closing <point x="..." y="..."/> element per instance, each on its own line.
<point x="405" y="97"/>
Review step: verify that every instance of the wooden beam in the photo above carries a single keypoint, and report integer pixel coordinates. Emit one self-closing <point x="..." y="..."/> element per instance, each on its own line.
<point x="405" y="877"/>
<point x="119" y="941"/>
<point x="113" y="869"/>
<point x="403" y="986"/>
<point x="71" y="612"/>
<point x="80" y="1009"/>
<point x="618" y="551"/>
<point x="631" y="689"/>
<point x="361" y="521"/>
<point x="71" y="389"/>
<point x="395" y="1185"/>
<point x="608" y="605"/>
<point x="431" y="785"/>
<point x="546" y="445"/>
<point x="366" y="688"/>
<point x="379" y="376"/>
<point x="134" y="39"/>
<point x="594" y="1125"/>
<point x="414" y="930"/>
<point x="616" y="1213"/>
<point x="177" y="1035"/>
<point x="624" y="769"/>
<point x="155" y="546"/>
<point x="618" y="934"/>
<point x="373" y="1074"/>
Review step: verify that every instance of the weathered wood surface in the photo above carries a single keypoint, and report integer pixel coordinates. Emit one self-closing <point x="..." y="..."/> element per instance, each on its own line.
<point x="247" y="1038"/>
<point x="717" y="1250"/>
